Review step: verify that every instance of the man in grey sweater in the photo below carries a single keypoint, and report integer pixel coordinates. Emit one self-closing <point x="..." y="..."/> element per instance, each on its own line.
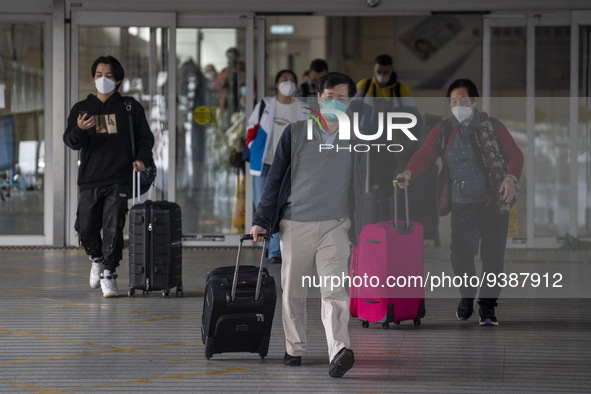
<point x="314" y="198"/>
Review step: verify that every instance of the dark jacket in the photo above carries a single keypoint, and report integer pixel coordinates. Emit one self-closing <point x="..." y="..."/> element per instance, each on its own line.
<point x="106" y="158"/>
<point x="432" y="149"/>
<point x="277" y="190"/>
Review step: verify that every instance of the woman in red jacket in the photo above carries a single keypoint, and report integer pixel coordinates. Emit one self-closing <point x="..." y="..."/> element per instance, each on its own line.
<point x="481" y="164"/>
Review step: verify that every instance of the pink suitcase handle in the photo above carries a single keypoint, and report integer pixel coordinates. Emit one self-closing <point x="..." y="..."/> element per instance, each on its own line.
<point x="395" y="184"/>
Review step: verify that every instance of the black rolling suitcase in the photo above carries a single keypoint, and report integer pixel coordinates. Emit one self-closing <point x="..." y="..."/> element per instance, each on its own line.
<point x="155" y="247"/>
<point x="238" y="308"/>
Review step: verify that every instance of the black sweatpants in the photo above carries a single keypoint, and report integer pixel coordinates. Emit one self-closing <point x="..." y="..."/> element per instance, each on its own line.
<point x="103" y="209"/>
<point x="469" y="222"/>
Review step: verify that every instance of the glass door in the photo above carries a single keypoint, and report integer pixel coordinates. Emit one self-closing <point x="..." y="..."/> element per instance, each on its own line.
<point x="25" y="115"/>
<point x="144" y="44"/>
<point x="504" y="97"/>
<point x="214" y="98"/>
<point x="580" y="116"/>
<point x="541" y="111"/>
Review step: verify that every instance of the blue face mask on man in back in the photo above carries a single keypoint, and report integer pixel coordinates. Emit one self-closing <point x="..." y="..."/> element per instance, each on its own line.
<point x="334" y="104"/>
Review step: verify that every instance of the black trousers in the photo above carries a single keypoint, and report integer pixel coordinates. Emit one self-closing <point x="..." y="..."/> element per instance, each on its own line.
<point x="103" y="209"/>
<point x="469" y="224"/>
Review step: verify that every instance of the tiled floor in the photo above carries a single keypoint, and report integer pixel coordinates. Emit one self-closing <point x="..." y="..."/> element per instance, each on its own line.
<point x="58" y="335"/>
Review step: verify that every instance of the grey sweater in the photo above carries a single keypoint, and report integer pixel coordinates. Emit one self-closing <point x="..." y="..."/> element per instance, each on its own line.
<point x="320" y="182"/>
<point x="274" y="204"/>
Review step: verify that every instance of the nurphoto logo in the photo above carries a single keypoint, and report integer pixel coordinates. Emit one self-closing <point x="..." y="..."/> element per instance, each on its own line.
<point x="388" y="122"/>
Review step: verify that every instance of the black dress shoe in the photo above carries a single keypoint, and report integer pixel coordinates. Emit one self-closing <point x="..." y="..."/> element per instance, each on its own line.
<point x="292" y="361"/>
<point x="341" y="363"/>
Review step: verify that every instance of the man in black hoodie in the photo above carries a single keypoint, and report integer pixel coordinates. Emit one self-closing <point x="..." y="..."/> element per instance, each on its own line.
<point x="99" y="127"/>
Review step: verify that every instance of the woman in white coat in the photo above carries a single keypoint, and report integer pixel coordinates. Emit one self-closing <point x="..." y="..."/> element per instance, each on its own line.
<point x="265" y="125"/>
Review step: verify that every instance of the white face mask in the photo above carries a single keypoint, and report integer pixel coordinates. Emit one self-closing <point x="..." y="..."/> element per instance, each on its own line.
<point x="383" y="78"/>
<point x="461" y="113"/>
<point x="287" y="88"/>
<point x="104" y="85"/>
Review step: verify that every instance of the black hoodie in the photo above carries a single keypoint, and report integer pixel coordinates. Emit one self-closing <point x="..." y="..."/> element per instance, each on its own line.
<point x="106" y="156"/>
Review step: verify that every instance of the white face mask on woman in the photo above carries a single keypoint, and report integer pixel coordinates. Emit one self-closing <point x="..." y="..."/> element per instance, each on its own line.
<point x="104" y="85"/>
<point x="287" y="88"/>
<point x="461" y="113"/>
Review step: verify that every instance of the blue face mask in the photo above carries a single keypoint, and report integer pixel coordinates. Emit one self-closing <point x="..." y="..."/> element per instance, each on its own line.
<point x="333" y="104"/>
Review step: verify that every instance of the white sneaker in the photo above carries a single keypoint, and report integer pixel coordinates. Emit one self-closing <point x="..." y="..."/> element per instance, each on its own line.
<point x="95" y="272"/>
<point x="109" y="284"/>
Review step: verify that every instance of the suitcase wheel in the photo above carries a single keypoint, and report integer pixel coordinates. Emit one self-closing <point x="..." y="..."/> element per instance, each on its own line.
<point x="179" y="290"/>
<point x="417" y="322"/>
<point x="130" y="292"/>
<point x="165" y="292"/>
<point x="365" y="324"/>
<point x="396" y="322"/>
<point x="386" y="325"/>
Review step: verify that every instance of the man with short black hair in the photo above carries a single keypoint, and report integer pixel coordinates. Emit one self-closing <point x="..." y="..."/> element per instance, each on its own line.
<point x="105" y="171"/>
<point x="314" y="198"/>
<point x="318" y="69"/>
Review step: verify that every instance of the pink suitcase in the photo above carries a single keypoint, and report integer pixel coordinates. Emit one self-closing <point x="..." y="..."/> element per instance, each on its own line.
<point x="386" y="250"/>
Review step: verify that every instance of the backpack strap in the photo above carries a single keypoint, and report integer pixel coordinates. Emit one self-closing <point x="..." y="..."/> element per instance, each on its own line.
<point x="261" y="109"/>
<point x="397" y="90"/>
<point x="366" y="87"/>
<point x="128" y="107"/>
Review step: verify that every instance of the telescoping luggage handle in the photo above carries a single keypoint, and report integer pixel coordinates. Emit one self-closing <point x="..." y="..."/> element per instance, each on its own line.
<point x="395" y="182"/>
<point x="135" y="195"/>
<point x="257" y="292"/>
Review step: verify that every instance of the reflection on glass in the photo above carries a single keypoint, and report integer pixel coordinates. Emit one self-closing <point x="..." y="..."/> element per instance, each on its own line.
<point x="508" y="49"/>
<point x="22" y="148"/>
<point x="211" y="116"/>
<point x="552" y="159"/>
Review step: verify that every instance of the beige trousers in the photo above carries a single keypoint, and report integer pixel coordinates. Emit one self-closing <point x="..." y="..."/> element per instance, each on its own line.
<point x="303" y="245"/>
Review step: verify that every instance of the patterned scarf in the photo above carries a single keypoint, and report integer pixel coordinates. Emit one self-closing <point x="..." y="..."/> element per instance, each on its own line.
<point x="491" y="160"/>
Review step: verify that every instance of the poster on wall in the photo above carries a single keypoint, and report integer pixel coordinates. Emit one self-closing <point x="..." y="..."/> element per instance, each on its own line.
<point x="432" y="51"/>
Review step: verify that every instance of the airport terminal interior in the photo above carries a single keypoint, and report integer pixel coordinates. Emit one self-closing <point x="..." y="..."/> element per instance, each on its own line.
<point x="531" y="61"/>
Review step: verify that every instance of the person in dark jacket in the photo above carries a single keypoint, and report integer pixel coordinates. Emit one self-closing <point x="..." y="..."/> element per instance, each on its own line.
<point x="314" y="198"/>
<point x="105" y="169"/>
<point x="481" y="165"/>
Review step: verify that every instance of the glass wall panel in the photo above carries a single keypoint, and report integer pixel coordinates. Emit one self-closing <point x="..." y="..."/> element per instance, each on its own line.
<point x="22" y="145"/>
<point x="508" y="51"/>
<point x="211" y="122"/>
<point x="553" y="159"/>
<point x="584" y="134"/>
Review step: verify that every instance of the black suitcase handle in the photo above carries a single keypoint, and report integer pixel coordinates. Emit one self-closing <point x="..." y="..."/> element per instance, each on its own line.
<point x="257" y="292"/>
